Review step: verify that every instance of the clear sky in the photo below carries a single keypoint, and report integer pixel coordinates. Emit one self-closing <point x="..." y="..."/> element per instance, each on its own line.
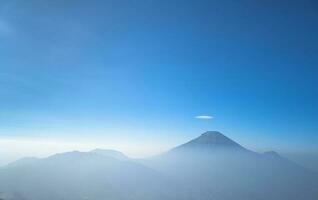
<point x="133" y="75"/>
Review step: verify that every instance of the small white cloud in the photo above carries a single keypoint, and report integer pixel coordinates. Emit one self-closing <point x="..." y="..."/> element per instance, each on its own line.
<point x="205" y="117"/>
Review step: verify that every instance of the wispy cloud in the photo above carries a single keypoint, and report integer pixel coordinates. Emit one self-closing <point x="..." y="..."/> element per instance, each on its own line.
<point x="204" y="117"/>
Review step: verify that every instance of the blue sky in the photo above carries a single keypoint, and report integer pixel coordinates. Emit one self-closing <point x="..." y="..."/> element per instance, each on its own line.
<point x="141" y="71"/>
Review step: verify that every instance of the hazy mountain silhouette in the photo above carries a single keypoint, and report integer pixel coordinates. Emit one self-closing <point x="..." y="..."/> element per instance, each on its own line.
<point x="210" y="141"/>
<point x="211" y="166"/>
<point x="83" y="175"/>
<point x="111" y="153"/>
<point x="23" y="162"/>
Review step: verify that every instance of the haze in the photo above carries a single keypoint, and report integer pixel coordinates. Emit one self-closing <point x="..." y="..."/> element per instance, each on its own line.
<point x="143" y="77"/>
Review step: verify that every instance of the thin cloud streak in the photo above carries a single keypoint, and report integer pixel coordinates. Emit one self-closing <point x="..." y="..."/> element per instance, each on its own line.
<point x="204" y="117"/>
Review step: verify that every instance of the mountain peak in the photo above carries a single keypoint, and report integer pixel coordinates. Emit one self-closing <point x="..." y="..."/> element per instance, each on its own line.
<point x="215" y="138"/>
<point x="211" y="140"/>
<point x="111" y="153"/>
<point x="212" y="134"/>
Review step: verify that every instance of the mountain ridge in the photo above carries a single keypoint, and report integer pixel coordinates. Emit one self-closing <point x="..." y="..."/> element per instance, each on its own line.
<point x="204" y="168"/>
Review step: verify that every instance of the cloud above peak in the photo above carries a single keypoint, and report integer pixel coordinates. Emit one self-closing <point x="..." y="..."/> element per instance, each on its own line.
<point x="204" y="117"/>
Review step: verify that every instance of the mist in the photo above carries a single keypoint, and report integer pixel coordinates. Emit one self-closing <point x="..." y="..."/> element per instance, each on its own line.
<point x="13" y="148"/>
<point x="211" y="166"/>
<point x="158" y="100"/>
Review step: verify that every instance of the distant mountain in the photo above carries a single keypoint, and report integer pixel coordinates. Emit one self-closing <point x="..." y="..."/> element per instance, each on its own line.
<point x="111" y="153"/>
<point x="213" y="166"/>
<point x="208" y="141"/>
<point x="77" y="175"/>
<point x="23" y="162"/>
<point x="209" y="167"/>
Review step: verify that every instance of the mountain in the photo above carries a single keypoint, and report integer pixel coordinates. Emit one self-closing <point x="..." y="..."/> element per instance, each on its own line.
<point x="111" y="153"/>
<point x="210" y="141"/>
<point x="23" y="161"/>
<point x="212" y="166"/>
<point x="209" y="167"/>
<point x="83" y="175"/>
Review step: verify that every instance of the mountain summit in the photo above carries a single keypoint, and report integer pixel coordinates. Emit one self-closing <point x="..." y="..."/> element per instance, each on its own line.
<point x="214" y="138"/>
<point x="213" y="164"/>
<point x="111" y="153"/>
<point x="211" y="140"/>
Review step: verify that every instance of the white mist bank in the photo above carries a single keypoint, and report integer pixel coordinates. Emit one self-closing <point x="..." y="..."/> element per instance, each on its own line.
<point x="13" y="148"/>
<point x="204" y="168"/>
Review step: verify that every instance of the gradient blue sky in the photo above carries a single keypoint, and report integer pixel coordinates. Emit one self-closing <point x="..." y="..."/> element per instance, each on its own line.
<point x="138" y="72"/>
